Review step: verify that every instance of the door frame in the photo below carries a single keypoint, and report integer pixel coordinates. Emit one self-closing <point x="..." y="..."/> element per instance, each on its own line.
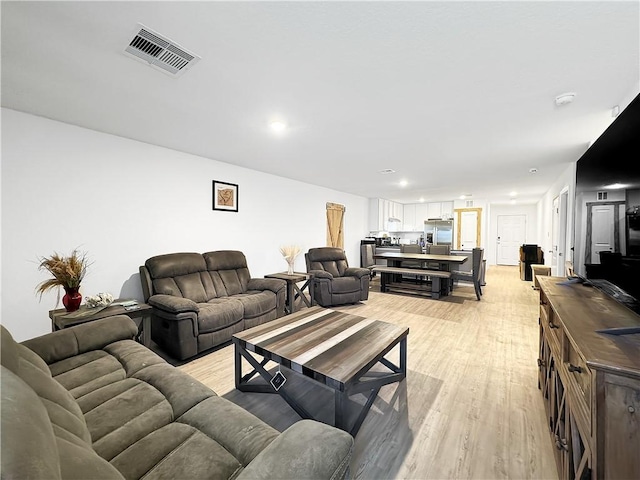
<point x="616" y="227"/>
<point x="458" y="214"/>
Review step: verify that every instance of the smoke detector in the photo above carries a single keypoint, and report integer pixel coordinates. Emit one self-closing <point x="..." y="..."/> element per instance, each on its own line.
<point x="565" y="98"/>
<point x="159" y="52"/>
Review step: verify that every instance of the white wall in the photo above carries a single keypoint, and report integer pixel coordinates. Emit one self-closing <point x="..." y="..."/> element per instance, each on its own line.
<point x="124" y="201"/>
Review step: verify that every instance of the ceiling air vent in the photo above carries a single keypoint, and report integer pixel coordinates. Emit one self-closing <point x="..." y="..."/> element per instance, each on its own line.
<point x="160" y="52"/>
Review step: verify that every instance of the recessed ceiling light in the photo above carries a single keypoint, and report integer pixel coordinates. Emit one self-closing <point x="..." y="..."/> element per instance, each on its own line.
<point x="387" y="171"/>
<point x="465" y="195"/>
<point x="615" y="186"/>
<point x="513" y="194"/>
<point x="512" y="202"/>
<point x="421" y="199"/>
<point x="403" y="183"/>
<point x="278" y="126"/>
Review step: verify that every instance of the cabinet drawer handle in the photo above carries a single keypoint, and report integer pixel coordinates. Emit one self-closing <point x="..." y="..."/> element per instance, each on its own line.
<point x="551" y="325"/>
<point x="574" y="368"/>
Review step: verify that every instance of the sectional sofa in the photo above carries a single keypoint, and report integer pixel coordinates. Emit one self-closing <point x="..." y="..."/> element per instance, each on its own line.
<point x="88" y="402"/>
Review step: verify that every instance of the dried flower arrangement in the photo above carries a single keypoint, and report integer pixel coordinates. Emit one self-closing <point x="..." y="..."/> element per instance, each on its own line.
<point x="290" y="252"/>
<point x="67" y="272"/>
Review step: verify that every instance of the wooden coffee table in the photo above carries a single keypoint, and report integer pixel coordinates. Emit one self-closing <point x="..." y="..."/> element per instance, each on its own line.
<point x="336" y="349"/>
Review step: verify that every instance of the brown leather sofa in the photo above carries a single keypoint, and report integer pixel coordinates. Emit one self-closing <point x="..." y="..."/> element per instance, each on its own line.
<point x="200" y="300"/>
<point x="88" y="402"/>
<point x="334" y="282"/>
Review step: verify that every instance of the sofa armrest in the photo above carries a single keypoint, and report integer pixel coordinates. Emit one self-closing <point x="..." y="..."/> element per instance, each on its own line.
<point x="307" y="449"/>
<point x="273" y="284"/>
<point x="171" y="304"/>
<point x="320" y="274"/>
<point x="95" y="335"/>
<point x="356" y="272"/>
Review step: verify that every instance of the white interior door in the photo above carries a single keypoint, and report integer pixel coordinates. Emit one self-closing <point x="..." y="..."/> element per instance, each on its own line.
<point x="562" y="234"/>
<point x="555" y="222"/>
<point x="511" y="235"/>
<point x="468" y="230"/>
<point x="602" y="232"/>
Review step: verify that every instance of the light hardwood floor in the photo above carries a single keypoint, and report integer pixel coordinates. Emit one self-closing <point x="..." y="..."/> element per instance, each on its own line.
<point x="469" y="407"/>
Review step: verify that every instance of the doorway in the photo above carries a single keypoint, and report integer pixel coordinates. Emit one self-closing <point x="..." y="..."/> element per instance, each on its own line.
<point x="559" y="233"/>
<point x="468" y="223"/>
<point x="511" y="235"/>
<point x="603" y="230"/>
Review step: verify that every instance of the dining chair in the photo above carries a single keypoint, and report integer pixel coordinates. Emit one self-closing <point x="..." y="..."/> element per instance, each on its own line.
<point x="474" y="275"/>
<point x="366" y="258"/>
<point x="412" y="248"/>
<point x="438" y="250"/>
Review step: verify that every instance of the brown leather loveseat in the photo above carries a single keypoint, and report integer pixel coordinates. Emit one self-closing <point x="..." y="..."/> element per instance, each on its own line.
<point x="200" y="300"/>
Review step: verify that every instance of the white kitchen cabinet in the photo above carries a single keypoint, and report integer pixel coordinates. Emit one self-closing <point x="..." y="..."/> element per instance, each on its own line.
<point x="422" y="214"/>
<point x="440" y="210"/>
<point x="381" y="210"/>
<point x="446" y="209"/>
<point x="409" y="222"/>
<point x="434" y="210"/>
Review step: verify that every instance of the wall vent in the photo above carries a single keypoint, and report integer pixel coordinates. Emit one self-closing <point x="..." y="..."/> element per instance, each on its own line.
<point x="469" y="203"/>
<point x="602" y="195"/>
<point x="160" y="52"/>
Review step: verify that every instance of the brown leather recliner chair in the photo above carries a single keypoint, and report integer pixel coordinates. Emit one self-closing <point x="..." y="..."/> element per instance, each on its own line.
<point x="334" y="282"/>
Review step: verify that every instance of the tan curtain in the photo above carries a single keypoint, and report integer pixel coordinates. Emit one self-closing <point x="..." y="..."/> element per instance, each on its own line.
<point x="335" y="225"/>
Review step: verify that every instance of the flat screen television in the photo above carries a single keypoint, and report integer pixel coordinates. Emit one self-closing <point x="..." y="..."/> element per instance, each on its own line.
<point x="607" y="206"/>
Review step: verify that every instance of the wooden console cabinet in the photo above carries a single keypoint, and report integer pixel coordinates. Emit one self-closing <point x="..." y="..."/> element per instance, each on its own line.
<point x="590" y="381"/>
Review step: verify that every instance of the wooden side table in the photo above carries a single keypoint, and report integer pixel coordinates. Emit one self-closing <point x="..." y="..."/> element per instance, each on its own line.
<point x="61" y="319"/>
<point x="293" y="290"/>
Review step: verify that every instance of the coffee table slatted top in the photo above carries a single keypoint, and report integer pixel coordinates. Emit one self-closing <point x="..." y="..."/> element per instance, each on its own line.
<point x="330" y="346"/>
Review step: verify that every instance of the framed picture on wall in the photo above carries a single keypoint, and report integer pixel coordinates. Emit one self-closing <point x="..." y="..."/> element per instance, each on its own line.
<point x="225" y="196"/>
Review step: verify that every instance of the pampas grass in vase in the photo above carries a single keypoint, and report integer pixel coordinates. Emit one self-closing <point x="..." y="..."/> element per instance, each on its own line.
<point x="290" y="252"/>
<point x="67" y="272"/>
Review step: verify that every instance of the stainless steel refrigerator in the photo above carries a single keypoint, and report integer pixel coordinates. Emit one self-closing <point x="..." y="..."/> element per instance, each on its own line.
<point x="439" y="231"/>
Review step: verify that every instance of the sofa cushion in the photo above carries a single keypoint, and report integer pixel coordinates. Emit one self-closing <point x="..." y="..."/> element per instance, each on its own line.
<point x="256" y="303"/>
<point x="128" y="416"/>
<point x="181" y="275"/>
<point x="238" y="431"/>
<point x="329" y="259"/>
<point x="175" y="264"/>
<point x="87" y="372"/>
<point x="26" y="429"/>
<point x="169" y="452"/>
<point x="346" y="285"/>
<point x="34" y="445"/>
<point x="228" y="271"/>
<point x="219" y="313"/>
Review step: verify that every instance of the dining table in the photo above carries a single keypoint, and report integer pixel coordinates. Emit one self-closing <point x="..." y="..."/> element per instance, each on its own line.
<point x="395" y="259"/>
<point x="445" y="263"/>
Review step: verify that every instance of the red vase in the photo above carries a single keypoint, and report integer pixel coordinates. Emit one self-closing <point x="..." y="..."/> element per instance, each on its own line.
<point x="72" y="299"/>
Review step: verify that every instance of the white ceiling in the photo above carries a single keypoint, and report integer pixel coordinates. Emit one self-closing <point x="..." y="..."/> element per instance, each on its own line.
<point x="457" y="97"/>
